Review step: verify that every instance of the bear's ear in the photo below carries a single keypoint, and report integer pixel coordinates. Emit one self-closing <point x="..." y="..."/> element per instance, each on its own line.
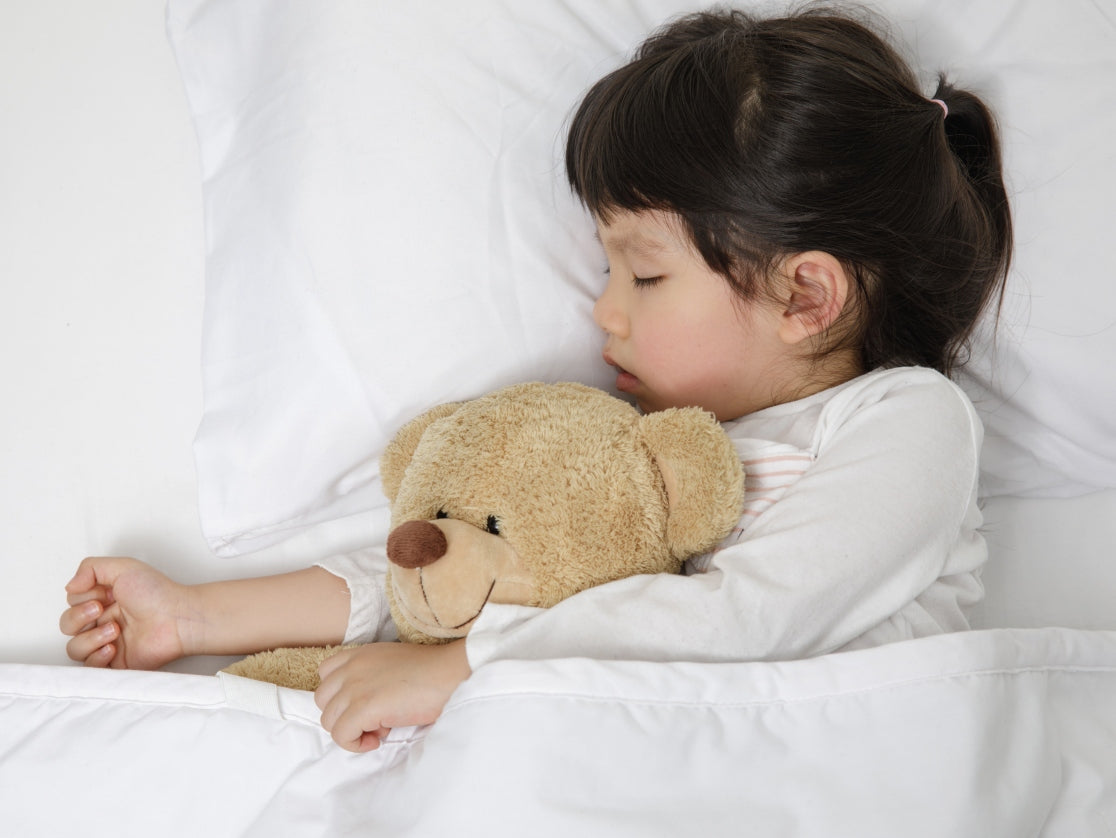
<point x="399" y="452"/>
<point x="702" y="474"/>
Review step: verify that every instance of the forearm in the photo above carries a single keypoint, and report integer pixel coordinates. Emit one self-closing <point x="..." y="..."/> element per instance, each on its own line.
<point x="305" y="608"/>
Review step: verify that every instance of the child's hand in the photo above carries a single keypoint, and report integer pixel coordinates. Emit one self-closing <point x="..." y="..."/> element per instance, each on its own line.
<point x="367" y="691"/>
<point x="122" y="614"/>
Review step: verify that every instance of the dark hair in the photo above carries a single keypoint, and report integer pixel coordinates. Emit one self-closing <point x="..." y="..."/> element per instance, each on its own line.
<point x="770" y="137"/>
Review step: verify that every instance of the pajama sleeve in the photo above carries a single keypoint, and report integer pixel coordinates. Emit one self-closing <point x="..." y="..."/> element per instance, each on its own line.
<point x="364" y="572"/>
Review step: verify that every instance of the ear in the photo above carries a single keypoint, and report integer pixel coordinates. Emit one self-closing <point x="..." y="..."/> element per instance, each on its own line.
<point x="399" y="452"/>
<point x="818" y="288"/>
<point x="702" y="474"/>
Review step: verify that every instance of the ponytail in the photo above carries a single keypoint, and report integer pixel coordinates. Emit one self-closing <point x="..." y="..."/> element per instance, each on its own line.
<point x="972" y="139"/>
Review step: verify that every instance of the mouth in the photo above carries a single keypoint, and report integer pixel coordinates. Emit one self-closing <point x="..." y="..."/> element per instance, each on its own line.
<point x="626" y="382"/>
<point x="434" y="614"/>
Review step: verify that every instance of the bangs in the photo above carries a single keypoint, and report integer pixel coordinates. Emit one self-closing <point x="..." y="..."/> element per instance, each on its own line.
<point x="654" y="134"/>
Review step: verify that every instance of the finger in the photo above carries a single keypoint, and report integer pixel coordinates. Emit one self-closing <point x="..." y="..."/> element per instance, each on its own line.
<point x="329" y="703"/>
<point x="102" y="657"/>
<point x="370" y="740"/>
<point x="349" y="732"/>
<point x="334" y="662"/>
<point x="98" y="570"/>
<point x="85" y="644"/>
<point x="325" y="693"/>
<point x="83" y="579"/>
<point x="80" y="618"/>
<point x="86" y="576"/>
<point x="110" y="614"/>
<point x="335" y="709"/>
<point x="98" y="592"/>
<point x="330" y="682"/>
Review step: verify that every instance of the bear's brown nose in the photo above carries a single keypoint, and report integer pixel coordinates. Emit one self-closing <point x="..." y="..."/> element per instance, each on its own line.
<point x="416" y="544"/>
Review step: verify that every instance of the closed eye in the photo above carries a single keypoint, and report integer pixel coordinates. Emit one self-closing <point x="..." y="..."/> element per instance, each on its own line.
<point x="639" y="281"/>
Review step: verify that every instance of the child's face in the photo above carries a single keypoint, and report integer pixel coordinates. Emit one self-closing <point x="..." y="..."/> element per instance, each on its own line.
<point x="677" y="333"/>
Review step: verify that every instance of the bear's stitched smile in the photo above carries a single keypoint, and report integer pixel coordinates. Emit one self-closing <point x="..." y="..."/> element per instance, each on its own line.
<point x="434" y="614"/>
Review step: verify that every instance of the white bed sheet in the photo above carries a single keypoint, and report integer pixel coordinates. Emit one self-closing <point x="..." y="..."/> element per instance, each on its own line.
<point x="102" y="260"/>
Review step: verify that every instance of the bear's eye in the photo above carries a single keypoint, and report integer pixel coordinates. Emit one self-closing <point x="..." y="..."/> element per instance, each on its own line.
<point x="492" y="525"/>
<point x="441" y="514"/>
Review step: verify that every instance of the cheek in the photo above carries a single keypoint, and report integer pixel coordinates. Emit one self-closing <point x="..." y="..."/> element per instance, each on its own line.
<point x="723" y="354"/>
<point x="670" y="350"/>
<point x="677" y="321"/>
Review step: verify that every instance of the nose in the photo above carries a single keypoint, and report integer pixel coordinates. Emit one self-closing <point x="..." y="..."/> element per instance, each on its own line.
<point x="608" y="313"/>
<point x="416" y="544"/>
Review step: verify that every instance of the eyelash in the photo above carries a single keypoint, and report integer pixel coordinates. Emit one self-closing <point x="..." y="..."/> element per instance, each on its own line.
<point x="641" y="281"/>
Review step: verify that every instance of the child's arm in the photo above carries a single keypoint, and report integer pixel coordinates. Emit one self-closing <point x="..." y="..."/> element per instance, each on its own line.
<point x="127" y="615"/>
<point x="368" y="690"/>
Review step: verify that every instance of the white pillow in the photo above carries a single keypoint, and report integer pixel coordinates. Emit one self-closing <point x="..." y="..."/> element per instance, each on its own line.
<point x="388" y="227"/>
<point x="1045" y="384"/>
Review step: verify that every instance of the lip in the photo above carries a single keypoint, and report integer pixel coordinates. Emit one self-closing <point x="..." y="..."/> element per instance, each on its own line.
<point x="626" y="382"/>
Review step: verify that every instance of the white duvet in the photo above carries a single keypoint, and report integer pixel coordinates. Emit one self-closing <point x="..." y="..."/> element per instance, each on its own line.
<point x="988" y="733"/>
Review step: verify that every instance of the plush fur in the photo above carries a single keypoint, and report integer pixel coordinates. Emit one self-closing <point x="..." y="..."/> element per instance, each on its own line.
<point x="296" y="668"/>
<point x="535" y="492"/>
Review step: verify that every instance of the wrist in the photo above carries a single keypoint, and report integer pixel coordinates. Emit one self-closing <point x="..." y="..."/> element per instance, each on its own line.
<point x="192" y="620"/>
<point x="455" y="662"/>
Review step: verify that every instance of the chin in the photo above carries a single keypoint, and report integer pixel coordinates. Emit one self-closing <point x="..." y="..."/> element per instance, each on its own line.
<point x="653" y="405"/>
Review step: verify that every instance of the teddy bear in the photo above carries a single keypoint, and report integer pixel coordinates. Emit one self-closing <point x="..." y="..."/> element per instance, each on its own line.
<point x="529" y="495"/>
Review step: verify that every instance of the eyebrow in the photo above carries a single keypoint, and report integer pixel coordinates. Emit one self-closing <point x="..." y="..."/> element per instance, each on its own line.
<point x="634" y="243"/>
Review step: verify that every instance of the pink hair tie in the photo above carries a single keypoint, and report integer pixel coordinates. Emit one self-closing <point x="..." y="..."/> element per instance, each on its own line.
<point x="944" y="106"/>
